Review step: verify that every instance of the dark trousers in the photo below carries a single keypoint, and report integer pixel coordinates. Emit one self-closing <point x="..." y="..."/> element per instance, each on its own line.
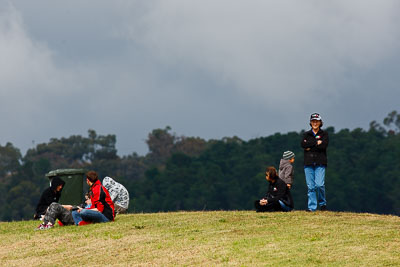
<point x="270" y="207"/>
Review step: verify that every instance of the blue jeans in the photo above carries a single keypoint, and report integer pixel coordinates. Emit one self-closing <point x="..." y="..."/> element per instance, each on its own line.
<point x="89" y="216"/>
<point x="284" y="207"/>
<point x="315" y="179"/>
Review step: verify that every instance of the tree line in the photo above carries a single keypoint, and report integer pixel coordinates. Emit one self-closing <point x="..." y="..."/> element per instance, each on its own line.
<point x="190" y="173"/>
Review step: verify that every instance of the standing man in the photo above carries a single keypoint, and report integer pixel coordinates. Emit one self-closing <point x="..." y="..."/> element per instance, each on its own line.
<point x="315" y="143"/>
<point x="102" y="209"/>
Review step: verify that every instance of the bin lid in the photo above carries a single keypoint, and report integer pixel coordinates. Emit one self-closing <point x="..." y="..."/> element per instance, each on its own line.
<point x="61" y="172"/>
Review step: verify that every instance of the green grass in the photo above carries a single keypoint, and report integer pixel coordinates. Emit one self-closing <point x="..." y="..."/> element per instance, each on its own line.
<point x="219" y="238"/>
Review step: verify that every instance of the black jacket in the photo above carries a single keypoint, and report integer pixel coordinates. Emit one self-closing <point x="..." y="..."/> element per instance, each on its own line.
<point x="278" y="190"/>
<point x="49" y="196"/>
<point x="315" y="154"/>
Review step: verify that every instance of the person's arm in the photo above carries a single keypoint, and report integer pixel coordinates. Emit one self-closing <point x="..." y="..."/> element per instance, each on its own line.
<point x="264" y="200"/>
<point x="324" y="141"/>
<point x="93" y="209"/>
<point x="288" y="174"/>
<point x="95" y="198"/>
<point x="67" y="207"/>
<point x="308" y="143"/>
<point x="49" y="198"/>
<point x="97" y="205"/>
<point x="281" y="190"/>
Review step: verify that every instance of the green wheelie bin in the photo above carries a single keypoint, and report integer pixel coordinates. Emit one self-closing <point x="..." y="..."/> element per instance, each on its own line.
<point x="72" y="193"/>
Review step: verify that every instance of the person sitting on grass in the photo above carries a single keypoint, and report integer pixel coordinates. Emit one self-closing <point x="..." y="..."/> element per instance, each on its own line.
<point x="88" y="202"/>
<point x="61" y="212"/>
<point x="118" y="193"/>
<point x="278" y="197"/>
<point x="102" y="209"/>
<point x="50" y="195"/>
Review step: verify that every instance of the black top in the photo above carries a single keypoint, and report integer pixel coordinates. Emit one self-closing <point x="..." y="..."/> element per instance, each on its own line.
<point x="278" y="190"/>
<point x="49" y="196"/>
<point x="315" y="154"/>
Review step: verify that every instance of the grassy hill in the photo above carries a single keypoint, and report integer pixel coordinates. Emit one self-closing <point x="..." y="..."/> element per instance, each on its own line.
<point x="238" y="238"/>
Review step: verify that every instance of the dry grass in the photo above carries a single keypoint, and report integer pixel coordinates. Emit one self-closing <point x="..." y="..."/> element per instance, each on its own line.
<point x="220" y="238"/>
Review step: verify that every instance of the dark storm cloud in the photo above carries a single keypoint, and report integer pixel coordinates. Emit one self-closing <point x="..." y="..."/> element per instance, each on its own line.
<point x="206" y="68"/>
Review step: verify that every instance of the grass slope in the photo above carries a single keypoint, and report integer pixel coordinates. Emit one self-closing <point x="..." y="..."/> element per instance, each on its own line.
<point x="238" y="238"/>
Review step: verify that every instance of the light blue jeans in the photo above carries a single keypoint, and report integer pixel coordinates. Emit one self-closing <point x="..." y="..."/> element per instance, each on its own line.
<point x="315" y="179"/>
<point x="89" y="216"/>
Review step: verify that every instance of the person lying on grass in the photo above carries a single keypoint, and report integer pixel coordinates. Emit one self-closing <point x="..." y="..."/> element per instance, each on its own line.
<point x="278" y="197"/>
<point x="102" y="209"/>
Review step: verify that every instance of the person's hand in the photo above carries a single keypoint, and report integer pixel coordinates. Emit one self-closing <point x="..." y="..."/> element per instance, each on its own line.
<point x="289" y="186"/>
<point x="79" y="209"/>
<point x="319" y="142"/>
<point x="308" y="149"/>
<point x="263" y="202"/>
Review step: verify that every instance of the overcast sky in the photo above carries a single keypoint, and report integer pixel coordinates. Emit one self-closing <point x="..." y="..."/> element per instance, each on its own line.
<point x="207" y="68"/>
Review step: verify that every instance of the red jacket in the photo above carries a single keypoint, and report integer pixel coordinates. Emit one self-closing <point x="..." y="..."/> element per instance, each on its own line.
<point x="101" y="200"/>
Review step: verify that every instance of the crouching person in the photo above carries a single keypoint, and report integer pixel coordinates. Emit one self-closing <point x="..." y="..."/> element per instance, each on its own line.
<point x="118" y="193"/>
<point x="102" y="208"/>
<point x="278" y="197"/>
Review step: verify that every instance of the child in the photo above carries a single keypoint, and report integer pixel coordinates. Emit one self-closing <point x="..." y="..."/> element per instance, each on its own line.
<point x="286" y="169"/>
<point x="88" y="202"/>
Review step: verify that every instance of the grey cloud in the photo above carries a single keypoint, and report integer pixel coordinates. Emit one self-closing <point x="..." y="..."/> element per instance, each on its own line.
<point x="269" y="49"/>
<point x="206" y="68"/>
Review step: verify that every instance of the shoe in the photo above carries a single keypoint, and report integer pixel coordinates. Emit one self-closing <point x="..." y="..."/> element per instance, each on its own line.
<point x="60" y="223"/>
<point x="40" y="227"/>
<point x="83" y="223"/>
<point x="43" y="226"/>
<point x="309" y="210"/>
<point x="323" y="208"/>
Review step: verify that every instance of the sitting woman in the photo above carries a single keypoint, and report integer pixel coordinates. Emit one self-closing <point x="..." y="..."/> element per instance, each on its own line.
<point x="278" y="197"/>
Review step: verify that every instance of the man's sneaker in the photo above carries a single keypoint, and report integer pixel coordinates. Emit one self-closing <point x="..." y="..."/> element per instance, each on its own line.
<point x="323" y="208"/>
<point x="43" y="226"/>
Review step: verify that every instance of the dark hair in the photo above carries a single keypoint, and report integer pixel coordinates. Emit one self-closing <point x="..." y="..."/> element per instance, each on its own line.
<point x="271" y="172"/>
<point x="92" y="176"/>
